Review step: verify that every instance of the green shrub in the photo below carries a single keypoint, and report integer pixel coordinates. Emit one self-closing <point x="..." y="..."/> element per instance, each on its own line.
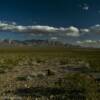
<point x="21" y="78"/>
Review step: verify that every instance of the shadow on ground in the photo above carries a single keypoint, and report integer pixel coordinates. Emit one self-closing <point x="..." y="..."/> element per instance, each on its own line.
<point x="55" y="93"/>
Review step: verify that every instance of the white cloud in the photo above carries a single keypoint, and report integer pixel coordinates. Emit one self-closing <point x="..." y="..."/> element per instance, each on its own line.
<point x="85" y="30"/>
<point x="95" y="28"/>
<point x="91" y="30"/>
<point x="71" y="31"/>
<point x="84" y="7"/>
<point x="39" y="29"/>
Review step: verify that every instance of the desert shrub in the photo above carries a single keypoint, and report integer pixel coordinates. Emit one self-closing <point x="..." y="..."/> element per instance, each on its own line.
<point x="78" y="85"/>
<point x="40" y="60"/>
<point x="95" y="65"/>
<point x="21" y="78"/>
<point x="50" y="72"/>
<point x="41" y="75"/>
<point x="63" y="62"/>
<point x="5" y="67"/>
<point x="11" y="61"/>
<point x="2" y="71"/>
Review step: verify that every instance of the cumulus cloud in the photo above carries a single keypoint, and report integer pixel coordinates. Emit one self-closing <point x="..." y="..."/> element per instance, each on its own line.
<point x="39" y="29"/>
<point x="72" y="31"/>
<point x="85" y="30"/>
<point x="49" y="30"/>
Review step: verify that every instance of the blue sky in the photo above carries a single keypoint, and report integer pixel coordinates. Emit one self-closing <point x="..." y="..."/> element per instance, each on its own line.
<point x="51" y="12"/>
<point x="59" y="16"/>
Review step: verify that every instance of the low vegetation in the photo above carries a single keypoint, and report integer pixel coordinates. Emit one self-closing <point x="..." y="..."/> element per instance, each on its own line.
<point x="42" y="73"/>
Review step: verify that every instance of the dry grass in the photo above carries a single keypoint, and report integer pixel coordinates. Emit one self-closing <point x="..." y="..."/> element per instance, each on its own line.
<point x="41" y="72"/>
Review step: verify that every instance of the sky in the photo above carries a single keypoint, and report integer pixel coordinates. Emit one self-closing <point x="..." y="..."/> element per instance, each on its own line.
<point x="72" y="21"/>
<point x="80" y="13"/>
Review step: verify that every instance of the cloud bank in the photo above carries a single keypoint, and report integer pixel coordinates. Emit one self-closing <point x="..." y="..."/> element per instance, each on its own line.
<point x="71" y="31"/>
<point x="39" y="29"/>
